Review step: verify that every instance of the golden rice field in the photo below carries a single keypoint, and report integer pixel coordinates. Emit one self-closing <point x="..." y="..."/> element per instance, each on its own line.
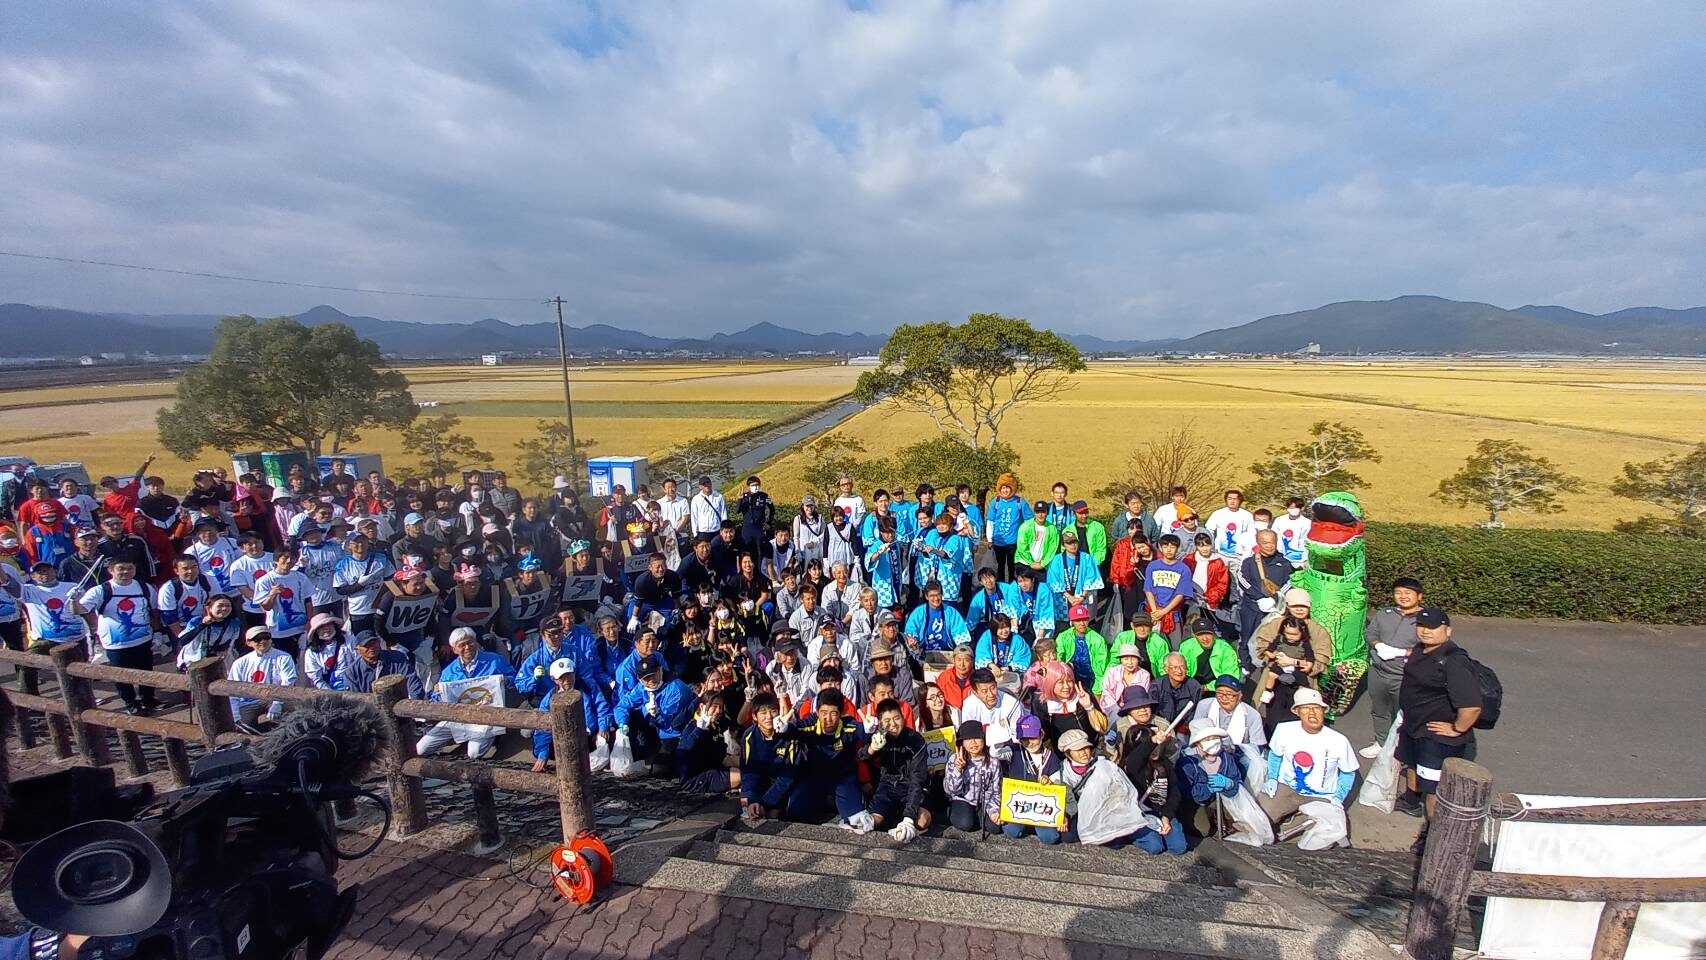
<point x="629" y="409"/>
<point x="1424" y="417"/>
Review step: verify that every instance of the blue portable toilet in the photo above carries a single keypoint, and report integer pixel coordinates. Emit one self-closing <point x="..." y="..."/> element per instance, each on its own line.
<point x="604" y="474"/>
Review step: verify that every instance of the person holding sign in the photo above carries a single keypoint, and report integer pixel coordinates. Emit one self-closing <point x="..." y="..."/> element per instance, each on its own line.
<point x="973" y="782"/>
<point x="471" y="663"/>
<point x="903" y="774"/>
<point x="1032" y="762"/>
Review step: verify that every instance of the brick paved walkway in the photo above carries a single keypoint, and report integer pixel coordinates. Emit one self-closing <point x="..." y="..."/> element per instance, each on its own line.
<point x="420" y="903"/>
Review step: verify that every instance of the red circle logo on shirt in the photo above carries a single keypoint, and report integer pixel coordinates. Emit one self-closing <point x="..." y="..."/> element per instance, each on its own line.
<point x="189" y="602"/>
<point x="126" y="605"/>
<point x="257" y="677"/>
<point x="216" y="562"/>
<point x="286" y="592"/>
<point x="55" y="604"/>
<point x="1302" y="759"/>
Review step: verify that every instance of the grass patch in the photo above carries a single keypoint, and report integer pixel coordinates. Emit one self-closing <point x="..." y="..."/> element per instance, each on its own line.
<point x="631" y="409"/>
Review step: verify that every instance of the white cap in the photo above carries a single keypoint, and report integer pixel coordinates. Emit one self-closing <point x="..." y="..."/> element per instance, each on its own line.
<point x="560" y="483"/>
<point x="1129" y="650"/>
<point x="1307" y="698"/>
<point x="1205" y="728"/>
<point x="561" y="666"/>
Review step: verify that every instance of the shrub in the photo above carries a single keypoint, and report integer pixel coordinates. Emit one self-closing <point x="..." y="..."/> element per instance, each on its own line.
<point x="1564" y="574"/>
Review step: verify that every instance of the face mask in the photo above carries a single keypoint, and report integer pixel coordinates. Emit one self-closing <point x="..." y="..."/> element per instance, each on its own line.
<point x="722" y="614"/>
<point x="1210" y="748"/>
<point x="1294" y="512"/>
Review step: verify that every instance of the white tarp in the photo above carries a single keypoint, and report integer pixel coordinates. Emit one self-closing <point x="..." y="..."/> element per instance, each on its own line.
<point x="1551" y="930"/>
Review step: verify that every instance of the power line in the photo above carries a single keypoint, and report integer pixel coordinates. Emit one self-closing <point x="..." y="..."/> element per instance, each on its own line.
<point x="276" y="283"/>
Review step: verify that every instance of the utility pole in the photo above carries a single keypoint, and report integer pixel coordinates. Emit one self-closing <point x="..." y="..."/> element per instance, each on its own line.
<point x="568" y="403"/>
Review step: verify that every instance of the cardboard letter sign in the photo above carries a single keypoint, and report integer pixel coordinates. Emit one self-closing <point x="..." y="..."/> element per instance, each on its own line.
<point x="940" y="743"/>
<point x="1032" y="804"/>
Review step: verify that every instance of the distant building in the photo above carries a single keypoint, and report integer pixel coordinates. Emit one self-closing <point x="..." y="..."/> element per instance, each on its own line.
<point x="112" y="356"/>
<point x="863" y="361"/>
<point x="1312" y="350"/>
<point x="491" y="359"/>
<point x="85" y="361"/>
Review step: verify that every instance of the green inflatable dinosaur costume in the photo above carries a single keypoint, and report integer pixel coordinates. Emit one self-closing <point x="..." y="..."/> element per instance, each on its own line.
<point x="1334" y="579"/>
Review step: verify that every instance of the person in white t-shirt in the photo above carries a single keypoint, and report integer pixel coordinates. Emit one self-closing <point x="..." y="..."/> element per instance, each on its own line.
<point x="1308" y="762"/>
<point x="848" y="499"/>
<point x="1167" y="514"/>
<point x="125" y="620"/>
<point x="288" y="599"/>
<point x="707" y="510"/>
<point x="247" y="570"/>
<point x="677" y="515"/>
<point x="1233" y="530"/>
<point x="79" y="506"/>
<point x="264" y="663"/>
<point x="1292" y="528"/>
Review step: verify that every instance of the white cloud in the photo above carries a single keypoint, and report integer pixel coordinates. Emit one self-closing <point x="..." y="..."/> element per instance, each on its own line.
<point x="1100" y="167"/>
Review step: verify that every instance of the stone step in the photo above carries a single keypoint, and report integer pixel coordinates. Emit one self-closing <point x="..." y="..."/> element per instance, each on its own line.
<point x="1188" y="868"/>
<point x="912" y="854"/>
<point x="1177" y="903"/>
<point x="1124" y="928"/>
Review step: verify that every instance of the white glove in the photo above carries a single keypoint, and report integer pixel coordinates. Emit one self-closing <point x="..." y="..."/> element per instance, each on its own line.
<point x="1265" y="604"/>
<point x="633" y="624"/>
<point x="702" y="721"/>
<point x="871" y="727"/>
<point x="906" y="831"/>
<point x="861" y="823"/>
<point x="878" y="741"/>
<point x="1388" y="652"/>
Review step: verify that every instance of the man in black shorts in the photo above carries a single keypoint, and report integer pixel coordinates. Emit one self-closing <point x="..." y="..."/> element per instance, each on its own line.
<point x="1441" y="700"/>
<point x="903" y="765"/>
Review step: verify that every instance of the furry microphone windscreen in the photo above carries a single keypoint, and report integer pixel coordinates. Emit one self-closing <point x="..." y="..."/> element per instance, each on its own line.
<point x="353" y="724"/>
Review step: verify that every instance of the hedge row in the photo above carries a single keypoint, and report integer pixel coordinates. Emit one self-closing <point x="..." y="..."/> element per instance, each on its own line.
<point x="1563" y="574"/>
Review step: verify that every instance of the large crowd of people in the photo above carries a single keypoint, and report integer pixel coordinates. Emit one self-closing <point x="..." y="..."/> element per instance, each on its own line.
<point x="895" y="659"/>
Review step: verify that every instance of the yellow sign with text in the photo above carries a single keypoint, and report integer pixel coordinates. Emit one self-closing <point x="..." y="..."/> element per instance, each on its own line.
<point x="940" y="745"/>
<point x="1032" y="804"/>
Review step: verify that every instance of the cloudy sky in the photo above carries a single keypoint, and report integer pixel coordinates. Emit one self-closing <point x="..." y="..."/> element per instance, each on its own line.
<point x="1127" y="169"/>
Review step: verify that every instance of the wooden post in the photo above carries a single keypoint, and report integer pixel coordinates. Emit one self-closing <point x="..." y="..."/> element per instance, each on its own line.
<point x="1616" y="926"/>
<point x="1454" y="836"/>
<point x="21" y="718"/>
<point x="134" y="756"/>
<point x="486" y="816"/>
<point x="397" y="745"/>
<point x="178" y="762"/>
<point x="58" y="729"/>
<point x="212" y="712"/>
<point x="574" y="770"/>
<point x="79" y="695"/>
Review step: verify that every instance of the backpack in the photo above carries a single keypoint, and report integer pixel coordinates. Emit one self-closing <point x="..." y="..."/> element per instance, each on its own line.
<point x="1492" y="694"/>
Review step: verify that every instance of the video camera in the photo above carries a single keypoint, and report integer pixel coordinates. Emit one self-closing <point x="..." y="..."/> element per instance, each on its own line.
<point x="239" y="864"/>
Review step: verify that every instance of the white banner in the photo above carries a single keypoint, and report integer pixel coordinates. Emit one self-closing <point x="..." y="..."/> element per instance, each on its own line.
<point x="478" y="691"/>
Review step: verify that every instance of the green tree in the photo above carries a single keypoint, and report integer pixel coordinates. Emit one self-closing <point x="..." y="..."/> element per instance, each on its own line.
<point x="832" y="456"/>
<point x="440" y="448"/>
<point x="1177" y="456"/>
<point x="1313" y="466"/>
<point x="544" y="457"/>
<point x="967" y="378"/>
<point x="946" y="461"/>
<point x="1503" y="476"/>
<point x="277" y="384"/>
<point x="699" y="457"/>
<point x="1675" y="484"/>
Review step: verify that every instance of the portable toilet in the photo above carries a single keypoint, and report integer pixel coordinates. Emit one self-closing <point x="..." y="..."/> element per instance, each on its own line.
<point x="355" y="464"/>
<point x="249" y="462"/>
<point x="276" y="464"/>
<point x="604" y="474"/>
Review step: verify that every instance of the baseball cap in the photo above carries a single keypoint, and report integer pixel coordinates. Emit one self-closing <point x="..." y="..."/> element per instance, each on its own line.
<point x="1228" y="680"/>
<point x="808" y="501"/>
<point x="1079" y="506"/>
<point x="1142" y="619"/>
<point x="648" y="666"/>
<point x="255" y="633"/>
<point x="413" y="519"/>
<point x="366" y="637"/>
<point x="560" y="666"/>
<point x="1202" y="625"/>
<point x="1432" y="617"/>
<point x="1078" y="612"/>
<point x="887" y="617"/>
<point x="1028" y="727"/>
<point x="963" y="648"/>
<point x="969" y="730"/>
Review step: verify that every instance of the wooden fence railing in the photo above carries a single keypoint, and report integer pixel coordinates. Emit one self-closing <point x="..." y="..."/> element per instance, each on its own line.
<point x="1448" y="877"/>
<point x="76" y="729"/>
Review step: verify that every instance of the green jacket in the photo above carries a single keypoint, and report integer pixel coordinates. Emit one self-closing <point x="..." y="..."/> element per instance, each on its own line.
<point x="1095" y="541"/>
<point x="1028" y="534"/>
<point x="1067" y="642"/>
<point x="1222" y="659"/>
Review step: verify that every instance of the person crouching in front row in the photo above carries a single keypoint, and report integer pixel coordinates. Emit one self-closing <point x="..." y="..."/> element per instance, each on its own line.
<point x="471" y="662"/>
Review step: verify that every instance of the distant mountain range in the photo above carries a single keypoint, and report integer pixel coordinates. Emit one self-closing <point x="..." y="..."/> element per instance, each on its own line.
<point x="1414" y="324"/>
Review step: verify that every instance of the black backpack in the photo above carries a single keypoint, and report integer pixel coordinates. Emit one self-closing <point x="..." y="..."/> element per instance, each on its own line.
<point x="1492" y="694"/>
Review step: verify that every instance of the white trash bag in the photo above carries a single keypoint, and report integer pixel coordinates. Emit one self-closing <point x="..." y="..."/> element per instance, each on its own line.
<point x="1380" y="788"/>
<point x="622" y="763"/>
<point x="1327" y="825"/>
<point x="600" y="754"/>
<point x="1253" y="828"/>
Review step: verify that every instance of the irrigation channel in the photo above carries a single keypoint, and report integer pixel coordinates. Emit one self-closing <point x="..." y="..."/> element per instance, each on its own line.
<point x="769" y="445"/>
